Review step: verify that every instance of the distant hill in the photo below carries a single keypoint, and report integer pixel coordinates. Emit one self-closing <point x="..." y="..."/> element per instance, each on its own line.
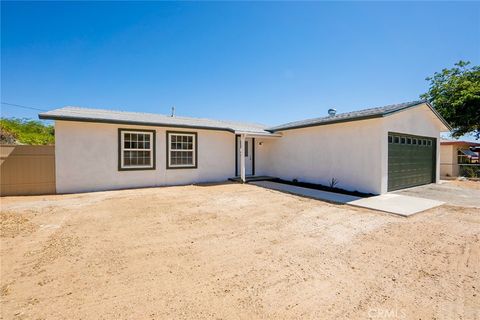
<point x="25" y="131"/>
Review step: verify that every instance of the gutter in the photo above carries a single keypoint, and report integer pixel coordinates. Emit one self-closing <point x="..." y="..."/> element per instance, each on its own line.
<point x="129" y="122"/>
<point x="325" y="123"/>
<point x="152" y="124"/>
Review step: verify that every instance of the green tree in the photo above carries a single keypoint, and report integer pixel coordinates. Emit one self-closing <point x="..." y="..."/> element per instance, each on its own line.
<point x="455" y="93"/>
<point x="26" y="131"/>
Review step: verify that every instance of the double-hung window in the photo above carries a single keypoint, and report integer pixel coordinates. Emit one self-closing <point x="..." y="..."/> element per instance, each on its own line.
<point x="136" y="149"/>
<point x="181" y="150"/>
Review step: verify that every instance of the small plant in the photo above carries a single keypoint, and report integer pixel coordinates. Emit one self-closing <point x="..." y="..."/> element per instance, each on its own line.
<point x="471" y="171"/>
<point x="295" y="180"/>
<point x="333" y="183"/>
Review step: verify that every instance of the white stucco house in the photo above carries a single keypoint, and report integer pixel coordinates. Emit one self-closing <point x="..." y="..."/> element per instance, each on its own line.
<point x="373" y="150"/>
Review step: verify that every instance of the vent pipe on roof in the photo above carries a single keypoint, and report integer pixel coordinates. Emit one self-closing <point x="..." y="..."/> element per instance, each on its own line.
<point x="332" y="112"/>
<point x="173" y="112"/>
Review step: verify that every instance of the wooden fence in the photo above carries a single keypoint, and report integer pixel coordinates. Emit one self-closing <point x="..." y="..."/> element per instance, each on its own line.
<point x="27" y="170"/>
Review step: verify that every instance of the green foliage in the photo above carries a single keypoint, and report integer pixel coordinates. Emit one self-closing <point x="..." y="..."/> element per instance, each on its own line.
<point x="455" y="93"/>
<point x="28" y="131"/>
<point x="469" y="171"/>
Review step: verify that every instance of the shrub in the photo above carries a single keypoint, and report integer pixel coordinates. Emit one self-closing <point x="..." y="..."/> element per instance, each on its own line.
<point x="25" y="131"/>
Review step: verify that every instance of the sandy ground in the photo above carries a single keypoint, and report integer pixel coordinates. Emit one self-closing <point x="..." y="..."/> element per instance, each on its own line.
<point x="233" y="252"/>
<point x="466" y="184"/>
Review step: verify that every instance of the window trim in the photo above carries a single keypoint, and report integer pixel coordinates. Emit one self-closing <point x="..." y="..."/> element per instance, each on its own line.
<point x="195" y="149"/>
<point x="121" y="148"/>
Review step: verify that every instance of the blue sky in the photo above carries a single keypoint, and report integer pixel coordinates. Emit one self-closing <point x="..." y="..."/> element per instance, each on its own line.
<point x="269" y="62"/>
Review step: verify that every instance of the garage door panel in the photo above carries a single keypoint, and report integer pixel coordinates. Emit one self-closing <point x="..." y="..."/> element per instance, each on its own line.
<point x="411" y="160"/>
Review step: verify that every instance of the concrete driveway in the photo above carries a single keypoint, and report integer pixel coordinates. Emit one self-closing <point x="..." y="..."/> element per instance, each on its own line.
<point x="456" y="193"/>
<point x="392" y="203"/>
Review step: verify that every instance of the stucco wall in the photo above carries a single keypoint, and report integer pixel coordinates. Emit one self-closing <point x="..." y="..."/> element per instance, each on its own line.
<point x="348" y="152"/>
<point x="448" y="160"/>
<point x="355" y="153"/>
<point x="86" y="156"/>
<point x="263" y="161"/>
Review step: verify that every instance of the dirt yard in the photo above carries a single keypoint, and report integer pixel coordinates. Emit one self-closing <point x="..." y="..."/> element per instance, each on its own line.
<point x="233" y="252"/>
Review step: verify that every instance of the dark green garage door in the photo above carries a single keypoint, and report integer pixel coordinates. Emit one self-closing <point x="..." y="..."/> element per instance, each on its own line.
<point x="411" y="160"/>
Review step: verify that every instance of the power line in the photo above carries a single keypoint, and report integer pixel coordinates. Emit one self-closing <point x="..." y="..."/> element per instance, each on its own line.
<point x="20" y="106"/>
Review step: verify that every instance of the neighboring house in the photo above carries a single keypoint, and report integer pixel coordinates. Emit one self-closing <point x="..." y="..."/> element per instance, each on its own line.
<point x="374" y="150"/>
<point x="454" y="153"/>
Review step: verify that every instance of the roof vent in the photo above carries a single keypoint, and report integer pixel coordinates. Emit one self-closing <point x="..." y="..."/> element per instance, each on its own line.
<point x="332" y="112"/>
<point x="173" y="112"/>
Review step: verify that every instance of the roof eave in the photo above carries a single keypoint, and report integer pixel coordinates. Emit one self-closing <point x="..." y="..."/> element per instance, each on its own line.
<point x="380" y="115"/>
<point x="46" y="116"/>
<point x="258" y="134"/>
<point x="276" y="129"/>
<point x="452" y="143"/>
<point x="445" y="123"/>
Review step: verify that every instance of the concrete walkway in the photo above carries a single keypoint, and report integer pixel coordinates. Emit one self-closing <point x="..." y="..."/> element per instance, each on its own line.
<point x="397" y="204"/>
<point x="307" y="192"/>
<point x="392" y="203"/>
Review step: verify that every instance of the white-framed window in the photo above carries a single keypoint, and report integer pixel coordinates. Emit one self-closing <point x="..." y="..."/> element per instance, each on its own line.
<point x="181" y="150"/>
<point x="136" y="149"/>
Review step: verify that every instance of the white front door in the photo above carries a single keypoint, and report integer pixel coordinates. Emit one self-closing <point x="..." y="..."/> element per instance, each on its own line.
<point x="248" y="156"/>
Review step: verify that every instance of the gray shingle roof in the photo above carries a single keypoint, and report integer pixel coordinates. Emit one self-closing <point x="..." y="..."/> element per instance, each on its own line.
<point x="354" y="115"/>
<point x="150" y="119"/>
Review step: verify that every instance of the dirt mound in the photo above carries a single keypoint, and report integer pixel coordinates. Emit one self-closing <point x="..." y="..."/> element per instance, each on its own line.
<point x="14" y="224"/>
